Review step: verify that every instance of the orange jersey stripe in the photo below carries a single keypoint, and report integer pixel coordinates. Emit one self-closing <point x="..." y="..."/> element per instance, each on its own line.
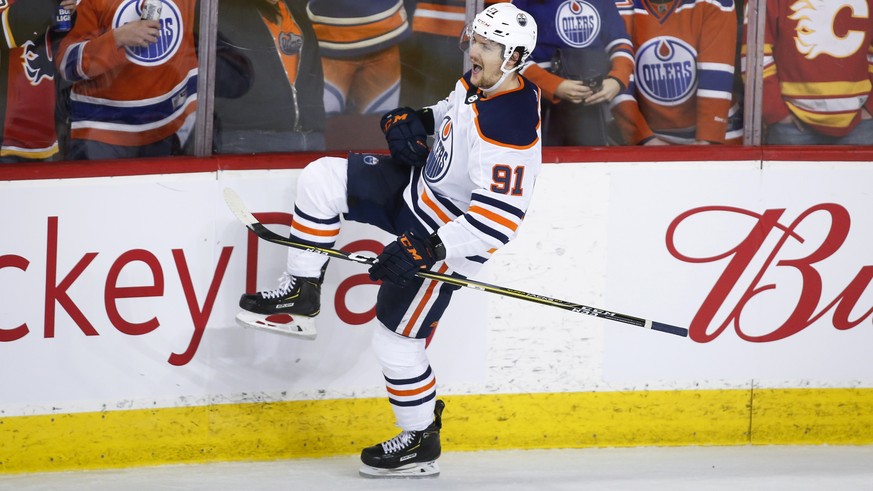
<point x="441" y="8"/>
<point x="494" y="217"/>
<point x="433" y="206"/>
<point x="314" y="231"/>
<point x="412" y="392"/>
<point x="440" y="27"/>
<point x="351" y="34"/>
<point x="424" y="300"/>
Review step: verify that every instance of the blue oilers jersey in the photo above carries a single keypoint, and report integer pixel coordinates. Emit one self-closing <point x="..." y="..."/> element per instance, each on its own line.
<point x="594" y="24"/>
<point x="479" y="177"/>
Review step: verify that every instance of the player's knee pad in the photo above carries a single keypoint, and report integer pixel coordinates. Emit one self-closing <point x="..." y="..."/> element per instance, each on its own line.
<point x="321" y="187"/>
<point x="400" y="357"/>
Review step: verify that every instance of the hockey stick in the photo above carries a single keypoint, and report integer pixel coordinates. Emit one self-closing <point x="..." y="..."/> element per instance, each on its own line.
<point x="234" y="202"/>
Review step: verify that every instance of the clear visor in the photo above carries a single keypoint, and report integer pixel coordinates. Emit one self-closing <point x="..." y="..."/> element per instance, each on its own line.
<point x="466" y="38"/>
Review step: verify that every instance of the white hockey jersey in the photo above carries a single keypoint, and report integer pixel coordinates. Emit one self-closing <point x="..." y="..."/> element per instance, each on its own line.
<point x="479" y="177"/>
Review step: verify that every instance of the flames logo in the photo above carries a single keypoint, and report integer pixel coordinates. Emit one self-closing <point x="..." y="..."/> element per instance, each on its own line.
<point x="37" y="63"/>
<point x="815" y="30"/>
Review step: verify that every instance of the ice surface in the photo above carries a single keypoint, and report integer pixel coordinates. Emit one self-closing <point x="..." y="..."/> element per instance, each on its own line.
<point x="652" y="469"/>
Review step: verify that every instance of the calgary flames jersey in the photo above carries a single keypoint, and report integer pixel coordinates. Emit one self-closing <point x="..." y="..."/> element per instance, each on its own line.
<point x="130" y="96"/>
<point x="479" y="177"/>
<point x="28" y="105"/>
<point x="818" y="63"/>
<point x="683" y="77"/>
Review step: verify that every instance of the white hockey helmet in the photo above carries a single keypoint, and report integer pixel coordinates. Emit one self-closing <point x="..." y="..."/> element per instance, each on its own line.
<point x="508" y="25"/>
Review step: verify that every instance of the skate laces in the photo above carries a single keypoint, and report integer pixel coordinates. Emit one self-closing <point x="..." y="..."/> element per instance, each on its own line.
<point x="286" y="285"/>
<point x="398" y="442"/>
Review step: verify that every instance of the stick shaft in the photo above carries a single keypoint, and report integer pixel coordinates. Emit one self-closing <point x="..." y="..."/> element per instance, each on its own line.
<point x="238" y="208"/>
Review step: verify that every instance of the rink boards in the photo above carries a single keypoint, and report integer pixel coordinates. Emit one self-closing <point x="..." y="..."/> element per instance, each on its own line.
<point x="119" y="348"/>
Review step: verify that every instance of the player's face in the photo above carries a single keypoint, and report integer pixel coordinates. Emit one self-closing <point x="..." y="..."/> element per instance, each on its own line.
<point x="486" y="57"/>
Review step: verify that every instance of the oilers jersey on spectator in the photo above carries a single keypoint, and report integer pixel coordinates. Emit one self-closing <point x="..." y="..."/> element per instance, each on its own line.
<point x="683" y="78"/>
<point x="818" y="63"/>
<point x="479" y="177"/>
<point x="440" y="17"/>
<point x="578" y="24"/>
<point x="349" y="28"/>
<point x="131" y="96"/>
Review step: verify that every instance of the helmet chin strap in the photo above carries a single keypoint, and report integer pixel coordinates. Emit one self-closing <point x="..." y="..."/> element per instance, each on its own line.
<point x="506" y="74"/>
<point x="494" y="87"/>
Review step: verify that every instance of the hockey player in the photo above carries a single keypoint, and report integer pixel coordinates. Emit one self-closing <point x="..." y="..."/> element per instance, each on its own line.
<point x="450" y="207"/>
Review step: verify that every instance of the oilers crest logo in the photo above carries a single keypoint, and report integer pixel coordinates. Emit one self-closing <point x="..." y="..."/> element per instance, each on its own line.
<point x="577" y="23"/>
<point x="169" y="36"/>
<point x="440" y="158"/>
<point x="666" y="70"/>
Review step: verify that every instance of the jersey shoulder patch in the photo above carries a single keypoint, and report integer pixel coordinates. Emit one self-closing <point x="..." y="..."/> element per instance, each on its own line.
<point x="510" y="119"/>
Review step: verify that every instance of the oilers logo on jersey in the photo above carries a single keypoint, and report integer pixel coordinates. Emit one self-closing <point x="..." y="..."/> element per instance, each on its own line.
<point x="666" y="70"/>
<point x="577" y="23"/>
<point x="169" y="36"/>
<point x="440" y="158"/>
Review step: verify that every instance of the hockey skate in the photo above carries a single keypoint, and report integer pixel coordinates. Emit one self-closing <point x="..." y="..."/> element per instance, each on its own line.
<point x="289" y="309"/>
<point x="411" y="454"/>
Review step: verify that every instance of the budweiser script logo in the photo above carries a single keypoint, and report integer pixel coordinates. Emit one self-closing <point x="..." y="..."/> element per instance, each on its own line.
<point x="823" y="237"/>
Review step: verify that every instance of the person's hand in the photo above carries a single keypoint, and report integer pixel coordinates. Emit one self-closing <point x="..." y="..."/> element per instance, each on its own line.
<point x="607" y="92"/>
<point x="401" y="259"/>
<point x="572" y="91"/>
<point x="139" y="33"/>
<point x="406" y="136"/>
<point x="70" y="5"/>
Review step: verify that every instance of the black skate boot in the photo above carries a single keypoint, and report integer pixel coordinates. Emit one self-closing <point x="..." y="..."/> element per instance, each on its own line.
<point x="288" y="309"/>
<point x="409" y="454"/>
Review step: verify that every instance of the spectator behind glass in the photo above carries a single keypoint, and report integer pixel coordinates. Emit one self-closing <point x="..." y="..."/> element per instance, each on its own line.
<point x="135" y="81"/>
<point x="361" y="60"/>
<point x="818" y="67"/>
<point x="282" y="108"/>
<point x="682" y="89"/>
<point x="430" y="58"/>
<point x="584" y="58"/>
<point x="27" y="110"/>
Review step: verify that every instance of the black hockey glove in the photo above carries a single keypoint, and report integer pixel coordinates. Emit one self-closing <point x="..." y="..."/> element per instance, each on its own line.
<point x="406" y="135"/>
<point x="404" y="257"/>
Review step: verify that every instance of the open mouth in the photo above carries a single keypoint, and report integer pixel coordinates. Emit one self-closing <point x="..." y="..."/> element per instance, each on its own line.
<point x="477" y="68"/>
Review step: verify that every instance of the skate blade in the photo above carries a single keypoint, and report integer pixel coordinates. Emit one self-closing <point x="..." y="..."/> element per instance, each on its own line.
<point x="411" y="471"/>
<point x="296" y="326"/>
